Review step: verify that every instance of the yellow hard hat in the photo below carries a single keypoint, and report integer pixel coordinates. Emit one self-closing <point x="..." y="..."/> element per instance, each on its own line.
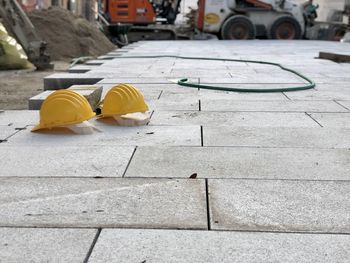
<point x="63" y="107"/>
<point x="123" y="99"/>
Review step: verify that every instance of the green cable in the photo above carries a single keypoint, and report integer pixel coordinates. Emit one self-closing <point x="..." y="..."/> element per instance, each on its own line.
<point x="184" y="82"/>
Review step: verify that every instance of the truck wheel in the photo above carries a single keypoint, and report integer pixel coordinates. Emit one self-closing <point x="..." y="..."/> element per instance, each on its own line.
<point x="238" y="27"/>
<point x="285" y="27"/>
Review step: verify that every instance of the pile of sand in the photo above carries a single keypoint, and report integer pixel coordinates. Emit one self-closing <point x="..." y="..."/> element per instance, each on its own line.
<point x="69" y="36"/>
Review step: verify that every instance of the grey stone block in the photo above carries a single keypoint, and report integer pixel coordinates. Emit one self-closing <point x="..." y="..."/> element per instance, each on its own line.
<point x="248" y="163"/>
<point x="91" y="92"/>
<point x="81" y="68"/>
<point x="143" y="80"/>
<point x="345" y="103"/>
<point x="35" y="102"/>
<point x="45" y="245"/>
<point x="107" y="57"/>
<point x="65" y="80"/>
<point x="191" y="104"/>
<point x="19" y="118"/>
<point x="281" y="206"/>
<point x="329" y="94"/>
<point x="238" y="96"/>
<point x="332" y="119"/>
<point x="95" y="62"/>
<point x="279" y="106"/>
<point x="232" y="119"/>
<point x="121" y="203"/>
<point x="126" y="245"/>
<point x="6" y="132"/>
<point x="277" y="137"/>
<point x="116" y="135"/>
<point x="64" y="161"/>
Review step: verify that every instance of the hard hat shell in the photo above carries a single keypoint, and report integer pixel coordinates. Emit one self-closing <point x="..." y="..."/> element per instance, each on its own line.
<point x="63" y="107"/>
<point x="123" y="99"/>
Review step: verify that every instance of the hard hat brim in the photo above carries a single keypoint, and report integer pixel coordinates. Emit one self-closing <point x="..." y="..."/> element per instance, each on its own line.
<point x="41" y="127"/>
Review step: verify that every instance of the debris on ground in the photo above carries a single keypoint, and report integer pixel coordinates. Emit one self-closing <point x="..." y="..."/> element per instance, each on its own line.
<point x="69" y="36"/>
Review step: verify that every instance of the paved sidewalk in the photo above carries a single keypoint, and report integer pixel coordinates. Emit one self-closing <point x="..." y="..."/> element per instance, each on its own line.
<point x="272" y="170"/>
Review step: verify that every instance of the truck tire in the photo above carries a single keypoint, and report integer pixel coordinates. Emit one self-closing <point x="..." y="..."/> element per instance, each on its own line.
<point x="238" y="27"/>
<point x="285" y="27"/>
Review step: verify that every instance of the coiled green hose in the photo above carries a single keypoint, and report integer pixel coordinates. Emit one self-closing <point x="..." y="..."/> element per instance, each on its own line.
<point x="184" y="82"/>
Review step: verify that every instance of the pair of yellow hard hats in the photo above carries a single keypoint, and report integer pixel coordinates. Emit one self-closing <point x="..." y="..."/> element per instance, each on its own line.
<point x="66" y="107"/>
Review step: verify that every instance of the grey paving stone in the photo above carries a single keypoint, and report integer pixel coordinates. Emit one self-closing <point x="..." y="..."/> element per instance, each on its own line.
<point x="277" y="137"/>
<point x="64" y="161"/>
<point x="320" y="95"/>
<point x="19" y="118"/>
<point x="332" y="119"/>
<point x="232" y="162"/>
<point x="258" y="78"/>
<point x="281" y="206"/>
<point x="6" y="132"/>
<point x="35" y="102"/>
<point x="345" y="103"/>
<point x="122" y="203"/>
<point x="142" y="80"/>
<point x="65" y="80"/>
<point x="242" y="119"/>
<point x="45" y="245"/>
<point x="96" y="62"/>
<point x="184" y="103"/>
<point x="127" y="245"/>
<point x="230" y="96"/>
<point x="81" y="68"/>
<point x="91" y="92"/>
<point x="280" y="106"/>
<point x="115" y="135"/>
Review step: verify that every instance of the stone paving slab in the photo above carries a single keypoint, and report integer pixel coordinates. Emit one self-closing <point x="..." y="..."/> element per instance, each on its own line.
<point x="262" y="79"/>
<point x="82" y="68"/>
<point x="64" y="161"/>
<point x="248" y="163"/>
<point x="281" y="206"/>
<point x="165" y="104"/>
<point x="280" y="106"/>
<point x="115" y="135"/>
<point x="345" y="103"/>
<point x="233" y="119"/>
<point x="319" y="95"/>
<point x="296" y="137"/>
<point x="125" y="245"/>
<point x="169" y="89"/>
<point x="95" y="62"/>
<point x="19" y="119"/>
<point x="234" y="96"/>
<point x="133" y="203"/>
<point x="6" y="132"/>
<point x="45" y="245"/>
<point x="332" y="119"/>
<point x="65" y="80"/>
<point x="143" y="80"/>
<point x="91" y="92"/>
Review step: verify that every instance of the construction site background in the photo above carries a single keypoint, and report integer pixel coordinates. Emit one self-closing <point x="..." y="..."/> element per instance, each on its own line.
<point x="88" y="8"/>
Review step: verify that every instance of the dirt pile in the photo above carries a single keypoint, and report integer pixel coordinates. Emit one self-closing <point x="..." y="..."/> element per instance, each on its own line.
<point x="69" y="36"/>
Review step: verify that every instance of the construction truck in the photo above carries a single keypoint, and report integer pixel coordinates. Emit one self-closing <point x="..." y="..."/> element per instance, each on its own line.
<point x="133" y="20"/>
<point x="19" y="26"/>
<point x="274" y="19"/>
